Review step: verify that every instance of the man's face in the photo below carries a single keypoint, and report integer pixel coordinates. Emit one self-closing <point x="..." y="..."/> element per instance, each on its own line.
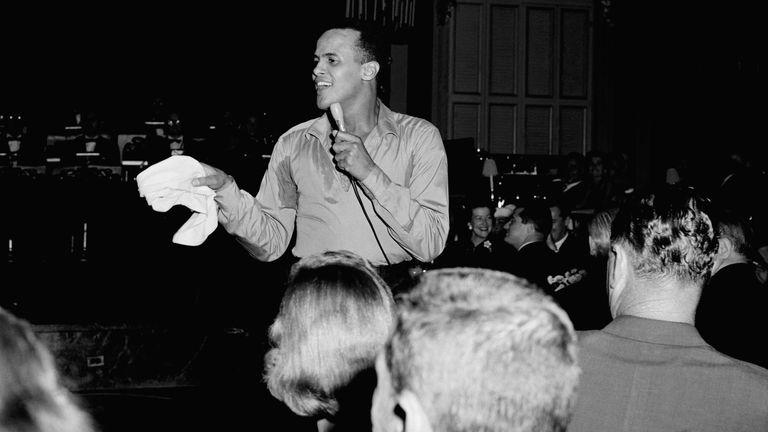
<point x="173" y="125"/>
<point x="481" y="222"/>
<point x="596" y="167"/>
<point x="573" y="171"/>
<point x="517" y="231"/>
<point x="383" y="415"/>
<point x="337" y="72"/>
<point x="558" y="223"/>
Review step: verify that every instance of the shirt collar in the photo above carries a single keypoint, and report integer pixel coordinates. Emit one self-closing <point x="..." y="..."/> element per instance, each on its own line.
<point x="559" y="243"/>
<point x="529" y="243"/>
<point x="655" y="331"/>
<point x="321" y="127"/>
<point x="570" y="185"/>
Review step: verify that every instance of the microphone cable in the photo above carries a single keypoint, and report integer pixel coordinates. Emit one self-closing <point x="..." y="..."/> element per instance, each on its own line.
<point x="359" y="200"/>
<point x="335" y="114"/>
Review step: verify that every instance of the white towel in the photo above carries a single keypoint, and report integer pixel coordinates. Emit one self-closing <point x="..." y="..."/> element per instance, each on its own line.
<point x="168" y="183"/>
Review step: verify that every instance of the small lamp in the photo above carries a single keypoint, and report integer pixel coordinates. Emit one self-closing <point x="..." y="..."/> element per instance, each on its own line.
<point x="490" y="170"/>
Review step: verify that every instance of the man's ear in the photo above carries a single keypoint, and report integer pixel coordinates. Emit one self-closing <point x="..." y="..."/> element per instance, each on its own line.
<point x="724" y="250"/>
<point x="415" y="418"/>
<point x="370" y="70"/>
<point x="724" y="247"/>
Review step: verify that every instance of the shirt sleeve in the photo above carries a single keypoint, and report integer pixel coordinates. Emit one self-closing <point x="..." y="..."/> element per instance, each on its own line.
<point x="263" y="224"/>
<point x="416" y="214"/>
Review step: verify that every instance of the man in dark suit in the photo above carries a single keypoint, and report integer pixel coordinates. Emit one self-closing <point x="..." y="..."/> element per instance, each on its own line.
<point x="92" y="139"/>
<point x="527" y="231"/>
<point x="569" y="244"/>
<point x="730" y="315"/>
<point x="579" y="287"/>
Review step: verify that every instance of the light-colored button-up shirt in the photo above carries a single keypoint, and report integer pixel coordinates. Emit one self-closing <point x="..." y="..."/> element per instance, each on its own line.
<point x="405" y="196"/>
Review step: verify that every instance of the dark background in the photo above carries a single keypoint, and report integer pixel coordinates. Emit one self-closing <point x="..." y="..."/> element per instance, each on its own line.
<point x="117" y="58"/>
<point x="673" y="76"/>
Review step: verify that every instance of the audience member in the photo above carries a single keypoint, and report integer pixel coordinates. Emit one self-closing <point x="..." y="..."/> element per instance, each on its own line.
<point x="474" y="247"/>
<point x="527" y="232"/>
<point x="599" y="231"/>
<point x="335" y="315"/>
<point x="601" y="192"/>
<point x="650" y="369"/>
<point x="501" y="216"/>
<point x="742" y="175"/>
<point x="476" y="350"/>
<point x="175" y="137"/>
<point x="570" y="245"/>
<point x="19" y="145"/>
<point x="92" y="138"/>
<point x="32" y="395"/>
<point x="571" y="181"/>
<point x="620" y="172"/>
<point x="730" y="313"/>
<point x="579" y="287"/>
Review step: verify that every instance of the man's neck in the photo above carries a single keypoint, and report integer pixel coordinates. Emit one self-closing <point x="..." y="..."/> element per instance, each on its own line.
<point x="558" y="241"/>
<point x="733" y="259"/>
<point x="663" y="301"/>
<point x="530" y="240"/>
<point x="362" y="115"/>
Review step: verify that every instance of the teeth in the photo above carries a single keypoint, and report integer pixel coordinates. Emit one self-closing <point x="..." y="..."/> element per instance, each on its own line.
<point x="323" y="84"/>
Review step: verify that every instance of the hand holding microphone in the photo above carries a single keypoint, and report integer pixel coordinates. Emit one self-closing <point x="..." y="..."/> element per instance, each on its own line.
<point x="349" y="152"/>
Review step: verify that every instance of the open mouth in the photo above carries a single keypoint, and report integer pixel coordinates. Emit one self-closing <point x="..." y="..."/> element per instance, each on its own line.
<point x="322" y="85"/>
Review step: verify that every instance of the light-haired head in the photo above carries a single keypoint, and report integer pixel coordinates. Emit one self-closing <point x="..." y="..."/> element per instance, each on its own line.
<point x="32" y="396"/>
<point x="668" y="234"/>
<point x="481" y="350"/>
<point x="599" y="230"/>
<point x="334" y="317"/>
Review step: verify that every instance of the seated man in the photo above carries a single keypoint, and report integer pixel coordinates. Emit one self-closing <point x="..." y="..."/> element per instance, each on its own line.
<point x="649" y="369"/>
<point x="580" y="288"/>
<point x="527" y="231"/>
<point x="476" y="349"/>
<point x="730" y="313"/>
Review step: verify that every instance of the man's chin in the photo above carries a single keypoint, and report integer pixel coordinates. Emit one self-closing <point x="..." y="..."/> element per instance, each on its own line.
<point x="322" y="103"/>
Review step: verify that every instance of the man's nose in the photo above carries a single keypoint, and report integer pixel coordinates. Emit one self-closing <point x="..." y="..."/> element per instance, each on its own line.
<point x="317" y="70"/>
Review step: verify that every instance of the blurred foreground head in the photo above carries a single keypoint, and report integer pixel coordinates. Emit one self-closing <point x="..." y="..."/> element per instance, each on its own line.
<point x="476" y="349"/>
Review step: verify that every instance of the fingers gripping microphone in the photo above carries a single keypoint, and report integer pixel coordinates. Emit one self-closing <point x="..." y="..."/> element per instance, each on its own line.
<point x="338" y="116"/>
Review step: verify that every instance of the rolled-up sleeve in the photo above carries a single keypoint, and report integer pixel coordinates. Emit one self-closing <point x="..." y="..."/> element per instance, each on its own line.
<point x="416" y="214"/>
<point x="263" y="224"/>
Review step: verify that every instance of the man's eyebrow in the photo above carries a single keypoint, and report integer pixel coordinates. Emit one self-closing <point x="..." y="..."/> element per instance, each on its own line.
<point x="327" y="54"/>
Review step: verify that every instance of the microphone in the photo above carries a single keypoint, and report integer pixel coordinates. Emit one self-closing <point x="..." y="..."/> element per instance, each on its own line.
<point x="338" y="116"/>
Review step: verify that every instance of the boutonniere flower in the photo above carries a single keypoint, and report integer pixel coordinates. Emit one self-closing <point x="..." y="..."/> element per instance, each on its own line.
<point x="487" y="245"/>
<point x="570" y="277"/>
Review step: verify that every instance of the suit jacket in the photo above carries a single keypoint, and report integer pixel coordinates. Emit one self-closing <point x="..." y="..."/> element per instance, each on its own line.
<point x="535" y="262"/>
<point x="731" y="314"/>
<point x="648" y="375"/>
<point x="574" y="251"/>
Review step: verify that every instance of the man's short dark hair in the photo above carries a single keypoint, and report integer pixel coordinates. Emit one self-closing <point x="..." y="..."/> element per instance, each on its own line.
<point x="372" y="41"/>
<point x="735" y="227"/>
<point x="537" y="212"/>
